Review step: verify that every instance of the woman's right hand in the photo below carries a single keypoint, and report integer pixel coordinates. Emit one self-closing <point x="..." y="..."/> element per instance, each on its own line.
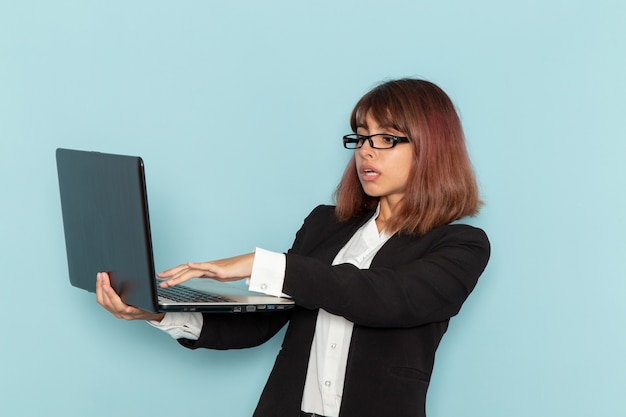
<point x="110" y="300"/>
<point x="224" y="270"/>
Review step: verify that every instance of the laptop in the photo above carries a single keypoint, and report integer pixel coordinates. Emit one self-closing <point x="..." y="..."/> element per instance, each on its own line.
<point x="107" y="229"/>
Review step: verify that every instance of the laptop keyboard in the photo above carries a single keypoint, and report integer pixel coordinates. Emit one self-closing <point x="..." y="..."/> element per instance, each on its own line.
<point x="189" y="295"/>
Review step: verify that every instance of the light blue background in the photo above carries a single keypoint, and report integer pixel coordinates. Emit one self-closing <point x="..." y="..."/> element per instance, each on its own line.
<point x="238" y="109"/>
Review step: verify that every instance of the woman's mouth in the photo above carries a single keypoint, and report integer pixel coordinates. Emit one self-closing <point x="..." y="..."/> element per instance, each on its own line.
<point x="369" y="173"/>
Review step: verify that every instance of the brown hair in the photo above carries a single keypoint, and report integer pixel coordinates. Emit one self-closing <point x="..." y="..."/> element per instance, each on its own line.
<point x="442" y="186"/>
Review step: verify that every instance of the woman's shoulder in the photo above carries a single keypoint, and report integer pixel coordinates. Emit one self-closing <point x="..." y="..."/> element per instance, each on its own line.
<point x="463" y="228"/>
<point x="453" y="241"/>
<point x="322" y="214"/>
<point x="322" y="211"/>
<point x="452" y="234"/>
<point x="461" y="233"/>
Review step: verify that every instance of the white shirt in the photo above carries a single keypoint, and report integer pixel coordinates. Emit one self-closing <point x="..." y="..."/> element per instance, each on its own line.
<point x="331" y="343"/>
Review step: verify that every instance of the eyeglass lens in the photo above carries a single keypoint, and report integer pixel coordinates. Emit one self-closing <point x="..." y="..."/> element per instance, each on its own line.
<point x="380" y="141"/>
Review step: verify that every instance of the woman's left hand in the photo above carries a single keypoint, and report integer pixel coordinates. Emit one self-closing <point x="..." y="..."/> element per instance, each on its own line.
<point x="230" y="269"/>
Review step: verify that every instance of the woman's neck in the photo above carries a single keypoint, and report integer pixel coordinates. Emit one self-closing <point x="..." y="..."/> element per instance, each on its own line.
<point x="386" y="210"/>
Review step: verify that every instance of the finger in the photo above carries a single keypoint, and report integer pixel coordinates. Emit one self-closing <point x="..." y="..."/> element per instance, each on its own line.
<point x="182" y="276"/>
<point x="173" y="271"/>
<point x="99" y="288"/>
<point x="102" y="278"/>
<point x="131" y="312"/>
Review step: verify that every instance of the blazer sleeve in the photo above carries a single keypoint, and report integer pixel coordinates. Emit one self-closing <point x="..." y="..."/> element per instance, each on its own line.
<point x="411" y="282"/>
<point x="237" y="330"/>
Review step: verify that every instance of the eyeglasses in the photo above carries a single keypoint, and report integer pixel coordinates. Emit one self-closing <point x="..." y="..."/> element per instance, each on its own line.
<point x="377" y="141"/>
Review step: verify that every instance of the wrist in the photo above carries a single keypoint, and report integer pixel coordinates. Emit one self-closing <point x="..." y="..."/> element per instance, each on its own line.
<point x="155" y="317"/>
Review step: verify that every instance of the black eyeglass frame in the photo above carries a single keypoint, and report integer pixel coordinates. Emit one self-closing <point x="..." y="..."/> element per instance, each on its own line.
<point x="355" y="138"/>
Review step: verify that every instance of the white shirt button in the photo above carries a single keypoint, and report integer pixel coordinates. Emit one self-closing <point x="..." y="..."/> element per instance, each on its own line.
<point x="263" y="286"/>
<point x="327" y="383"/>
<point x="333" y="346"/>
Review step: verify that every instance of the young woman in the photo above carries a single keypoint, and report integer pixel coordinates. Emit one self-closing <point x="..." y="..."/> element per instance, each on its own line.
<point x="375" y="278"/>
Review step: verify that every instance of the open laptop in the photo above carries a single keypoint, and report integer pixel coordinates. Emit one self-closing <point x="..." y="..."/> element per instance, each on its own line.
<point x="107" y="228"/>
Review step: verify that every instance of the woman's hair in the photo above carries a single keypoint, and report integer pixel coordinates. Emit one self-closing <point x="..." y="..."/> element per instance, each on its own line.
<point x="442" y="186"/>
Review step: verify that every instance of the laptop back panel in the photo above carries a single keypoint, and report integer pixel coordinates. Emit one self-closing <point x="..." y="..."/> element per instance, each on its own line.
<point x="105" y="218"/>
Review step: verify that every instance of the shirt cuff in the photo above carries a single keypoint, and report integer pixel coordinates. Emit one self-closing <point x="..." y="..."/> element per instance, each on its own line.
<point x="180" y="325"/>
<point x="268" y="272"/>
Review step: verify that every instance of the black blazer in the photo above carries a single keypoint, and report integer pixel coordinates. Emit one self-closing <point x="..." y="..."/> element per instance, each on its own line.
<point x="400" y="308"/>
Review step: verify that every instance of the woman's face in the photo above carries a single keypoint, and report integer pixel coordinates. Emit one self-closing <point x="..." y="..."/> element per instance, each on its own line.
<point x="383" y="173"/>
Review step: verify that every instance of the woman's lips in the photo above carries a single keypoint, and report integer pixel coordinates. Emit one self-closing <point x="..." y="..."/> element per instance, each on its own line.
<point x="369" y="173"/>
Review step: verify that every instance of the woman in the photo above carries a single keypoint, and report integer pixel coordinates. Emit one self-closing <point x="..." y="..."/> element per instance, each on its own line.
<point x="375" y="279"/>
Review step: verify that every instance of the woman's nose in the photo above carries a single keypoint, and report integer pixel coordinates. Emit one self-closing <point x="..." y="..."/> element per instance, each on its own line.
<point x="366" y="149"/>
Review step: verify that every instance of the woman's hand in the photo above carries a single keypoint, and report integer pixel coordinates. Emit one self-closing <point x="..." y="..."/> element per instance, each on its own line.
<point x="230" y="269"/>
<point x="110" y="300"/>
